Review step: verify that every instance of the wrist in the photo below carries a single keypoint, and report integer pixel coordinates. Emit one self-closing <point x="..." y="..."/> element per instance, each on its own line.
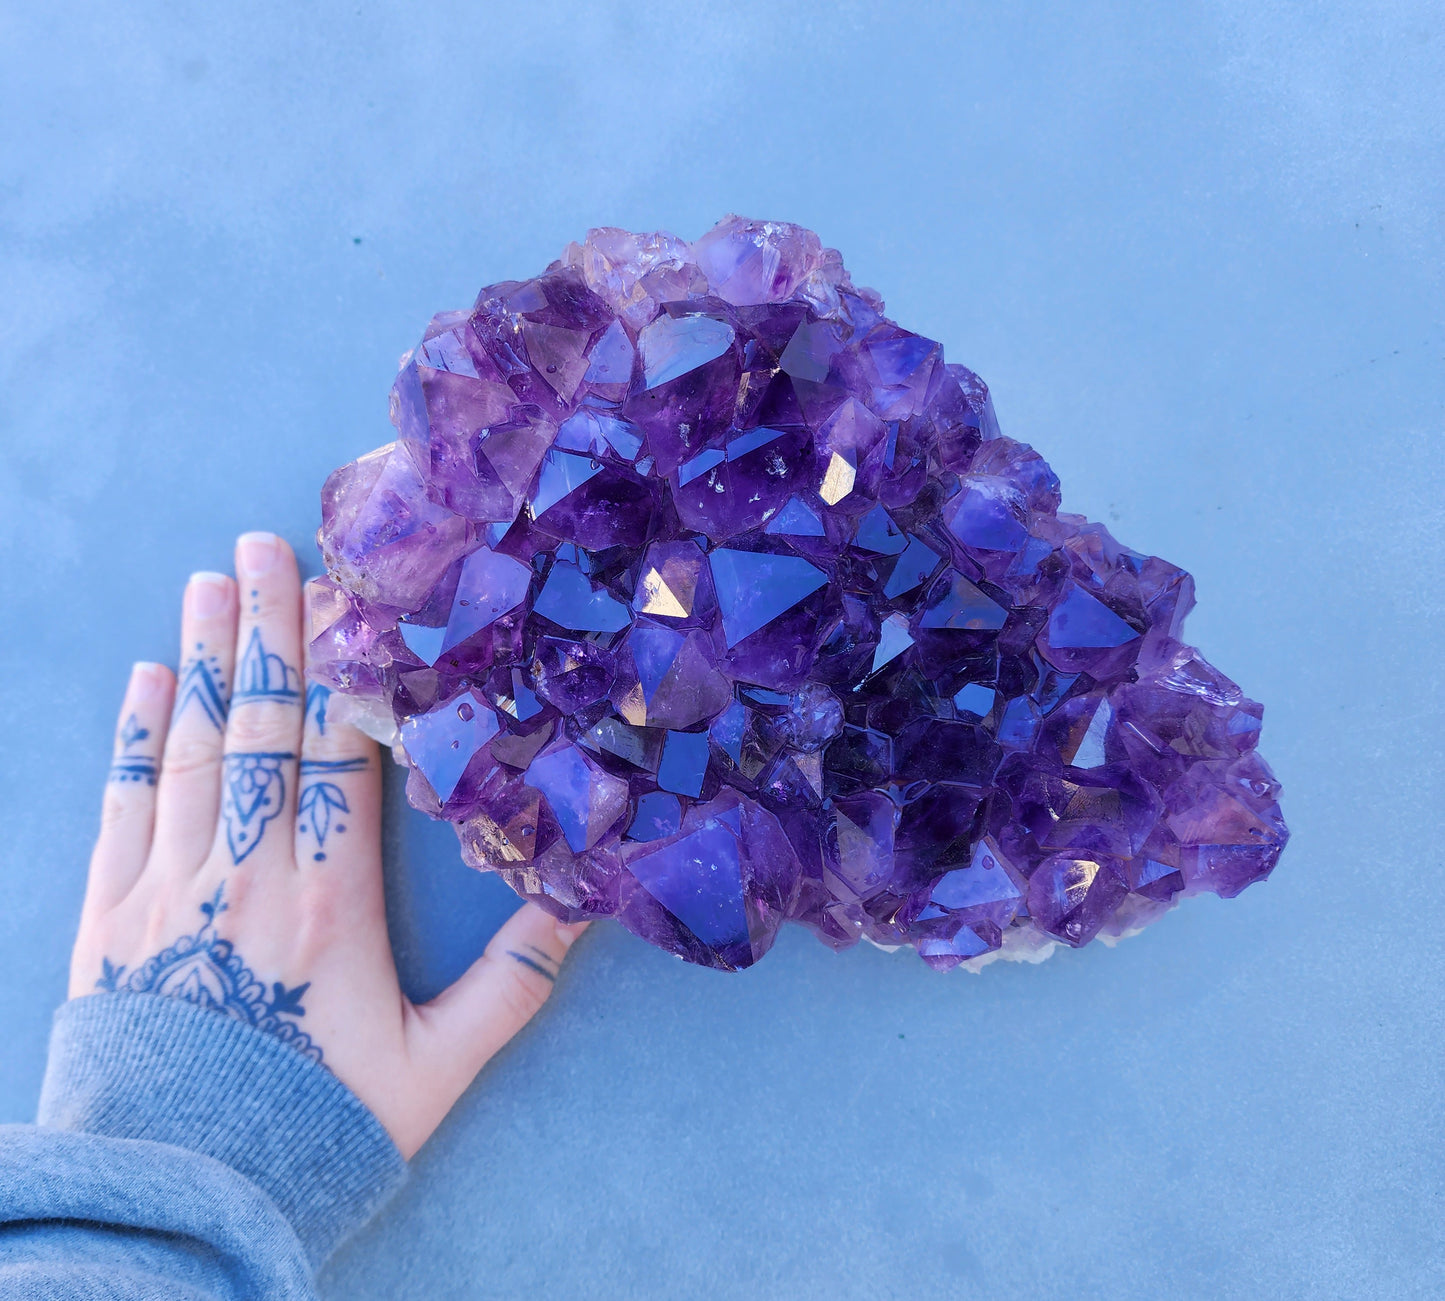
<point x="157" y="1068"/>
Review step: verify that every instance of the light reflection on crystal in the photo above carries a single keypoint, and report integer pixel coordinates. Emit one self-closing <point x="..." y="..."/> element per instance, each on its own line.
<point x="838" y="479"/>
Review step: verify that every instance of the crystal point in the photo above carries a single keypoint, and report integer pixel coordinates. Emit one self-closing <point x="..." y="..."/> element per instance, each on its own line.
<point x="444" y="741"/>
<point x="754" y="588"/>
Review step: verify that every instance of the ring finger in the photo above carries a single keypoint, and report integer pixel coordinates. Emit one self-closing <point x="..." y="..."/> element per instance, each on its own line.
<point x="189" y="796"/>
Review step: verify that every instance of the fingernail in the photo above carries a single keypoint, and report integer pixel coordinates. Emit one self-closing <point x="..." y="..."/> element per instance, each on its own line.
<point x="258" y="552"/>
<point x="207" y="594"/>
<point x="147" y="680"/>
<point x="569" y="931"/>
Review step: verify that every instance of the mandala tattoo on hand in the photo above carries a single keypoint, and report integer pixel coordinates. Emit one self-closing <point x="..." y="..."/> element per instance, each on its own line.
<point x="205" y="970"/>
<point x="253" y="791"/>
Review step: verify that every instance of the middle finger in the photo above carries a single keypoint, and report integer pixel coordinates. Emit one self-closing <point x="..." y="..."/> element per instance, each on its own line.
<point x="263" y="731"/>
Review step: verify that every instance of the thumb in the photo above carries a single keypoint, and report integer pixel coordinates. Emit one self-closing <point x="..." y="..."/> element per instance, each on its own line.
<point x="465" y="1025"/>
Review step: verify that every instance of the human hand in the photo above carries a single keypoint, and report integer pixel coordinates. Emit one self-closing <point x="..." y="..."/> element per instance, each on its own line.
<point x="239" y="865"/>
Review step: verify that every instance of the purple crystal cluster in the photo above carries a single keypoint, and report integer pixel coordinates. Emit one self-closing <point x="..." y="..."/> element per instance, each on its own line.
<point x="697" y="593"/>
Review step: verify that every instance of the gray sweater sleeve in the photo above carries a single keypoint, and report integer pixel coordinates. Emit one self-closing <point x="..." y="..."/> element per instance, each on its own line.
<point x="180" y="1153"/>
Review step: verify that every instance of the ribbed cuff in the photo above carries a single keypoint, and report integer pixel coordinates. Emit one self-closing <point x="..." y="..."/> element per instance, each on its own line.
<point x="87" y="1216"/>
<point x="154" y="1067"/>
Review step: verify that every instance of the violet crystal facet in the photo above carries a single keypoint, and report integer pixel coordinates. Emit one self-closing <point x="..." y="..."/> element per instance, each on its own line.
<point x="697" y="593"/>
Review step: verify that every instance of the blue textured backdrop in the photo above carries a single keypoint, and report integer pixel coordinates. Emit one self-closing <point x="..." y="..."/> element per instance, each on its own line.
<point x="1196" y="249"/>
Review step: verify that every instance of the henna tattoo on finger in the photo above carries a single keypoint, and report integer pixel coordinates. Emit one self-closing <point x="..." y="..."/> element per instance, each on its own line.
<point x="317" y="809"/>
<point x="133" y="768"/>
<point x="203" y="686"/>
<point x="317" y="699"/>
<point x="321" y="802"/>
<point x="264" y="675"/>
<point x="253" y="792"/>
<point x="127" y="767"/>
<point x="540" y="961"/>
<point x="533" y="965"/>
<point x="206" y="970"/>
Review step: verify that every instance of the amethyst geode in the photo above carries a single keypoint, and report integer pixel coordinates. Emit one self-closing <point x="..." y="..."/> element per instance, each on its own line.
<point x="697" y="593"/>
